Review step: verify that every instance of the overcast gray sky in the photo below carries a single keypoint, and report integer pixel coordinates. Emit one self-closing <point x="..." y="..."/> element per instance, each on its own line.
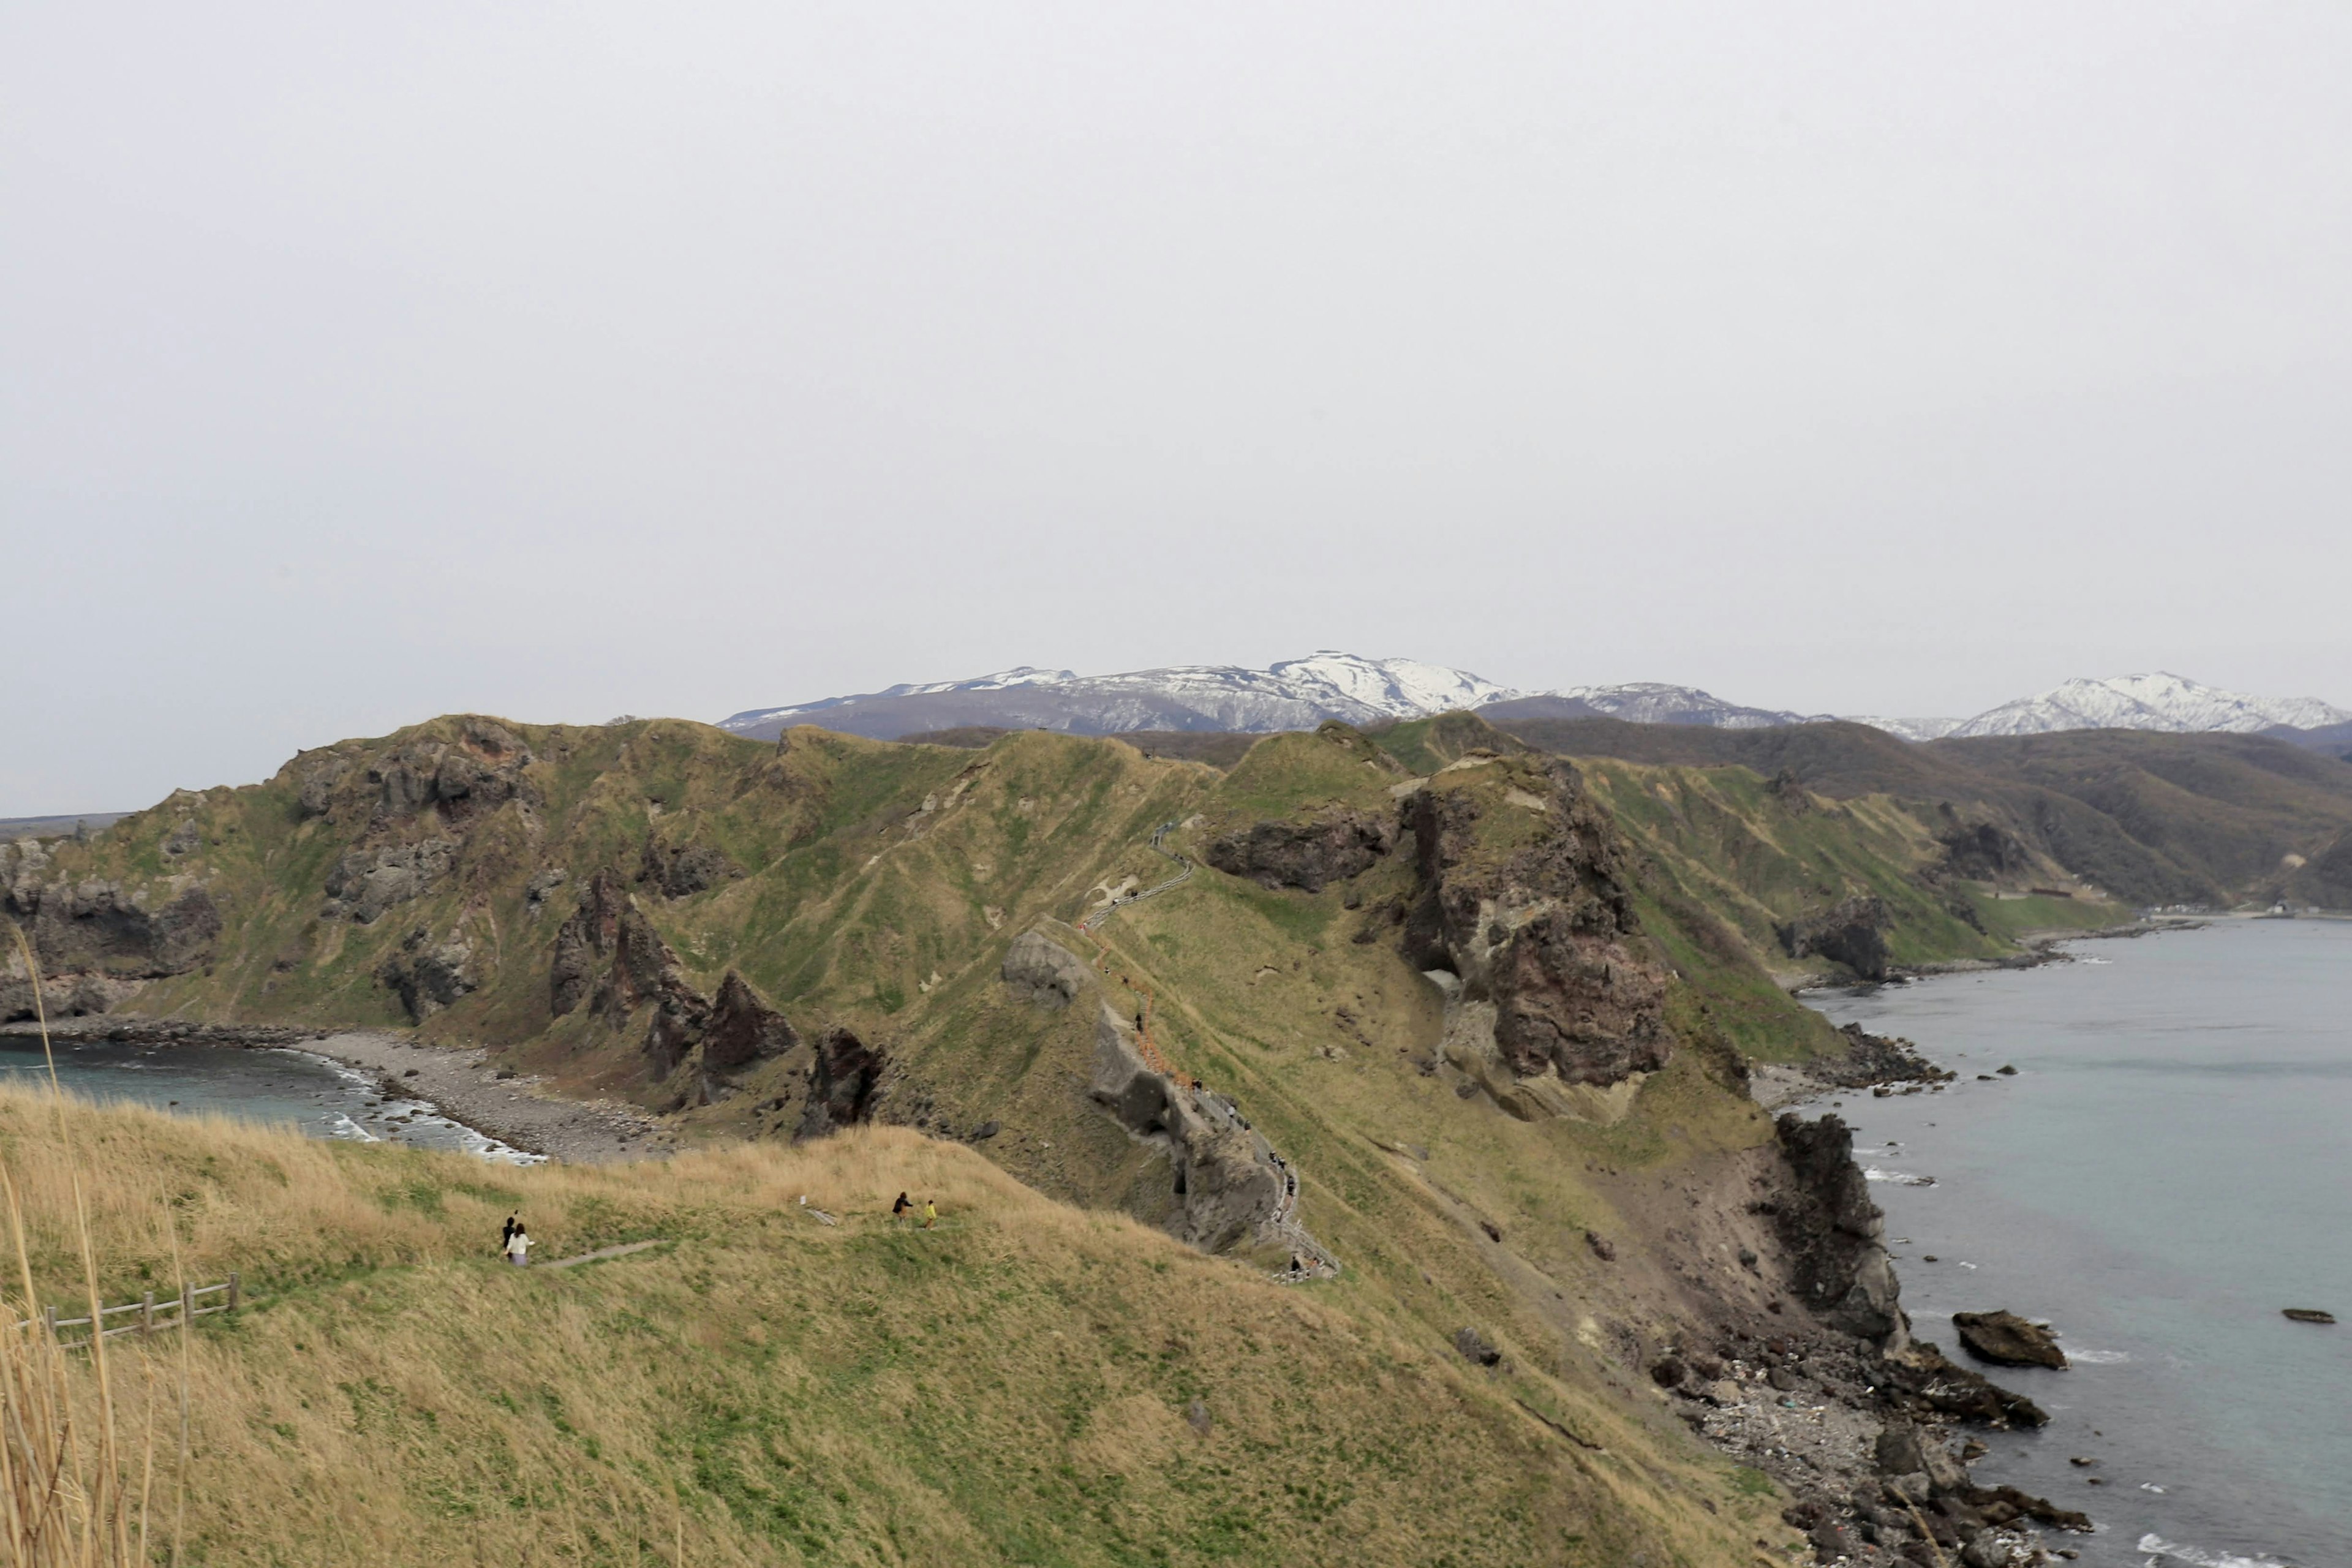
<point x="359" y="363"/>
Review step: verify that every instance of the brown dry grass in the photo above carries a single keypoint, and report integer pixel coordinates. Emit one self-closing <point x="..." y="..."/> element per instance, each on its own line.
<point x="1010" y="1387"/>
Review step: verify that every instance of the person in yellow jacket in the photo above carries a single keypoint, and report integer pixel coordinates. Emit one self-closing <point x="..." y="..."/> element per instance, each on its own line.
<point x="930" y="1212"/>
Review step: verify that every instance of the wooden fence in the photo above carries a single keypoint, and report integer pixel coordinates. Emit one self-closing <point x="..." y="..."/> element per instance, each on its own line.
<point x="154" y="1317"/>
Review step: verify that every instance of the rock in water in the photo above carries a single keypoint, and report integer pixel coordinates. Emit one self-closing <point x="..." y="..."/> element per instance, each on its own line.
<point x="2007" y="1339"/>
<point x="2308" y="1314"/>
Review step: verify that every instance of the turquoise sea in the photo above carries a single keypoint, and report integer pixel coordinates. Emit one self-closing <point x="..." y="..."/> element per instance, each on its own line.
<point x="2170" y="1166"/>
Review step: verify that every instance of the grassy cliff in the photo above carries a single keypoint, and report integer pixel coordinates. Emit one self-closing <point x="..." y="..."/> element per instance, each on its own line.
<point x="1027" y="1384"/>
<point x="1492" y="1012"/>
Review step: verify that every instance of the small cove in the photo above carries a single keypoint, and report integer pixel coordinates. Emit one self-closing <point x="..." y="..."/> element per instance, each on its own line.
<point x="279" y="1086"/>
<point x="2169" y="1168"/>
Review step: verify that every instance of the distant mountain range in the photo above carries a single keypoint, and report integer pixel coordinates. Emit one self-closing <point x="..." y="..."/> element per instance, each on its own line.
<point x="1299" y="693"/>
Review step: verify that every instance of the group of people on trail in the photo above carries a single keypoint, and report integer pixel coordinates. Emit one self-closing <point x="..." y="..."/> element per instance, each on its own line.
<point x="516" y="1243"/>
<point x="905" y="1206"/>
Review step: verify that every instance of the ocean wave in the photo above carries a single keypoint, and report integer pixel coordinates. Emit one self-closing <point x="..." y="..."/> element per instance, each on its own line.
<point x="344" y="1127"/>
<point x="1900" y="1178"/>
<point x="2097" y="1358"/>
<point x="2156" y="1545"/>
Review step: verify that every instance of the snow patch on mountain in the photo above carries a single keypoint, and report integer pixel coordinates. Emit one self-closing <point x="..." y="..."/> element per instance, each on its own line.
<point x="1909" y="729"/>
<point x="1295" y="694"/>
<point x="1299" y="693"/>
<point x="2155" y="701"/>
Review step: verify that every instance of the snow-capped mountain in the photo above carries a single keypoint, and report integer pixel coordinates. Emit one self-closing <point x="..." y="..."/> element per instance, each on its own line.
<point x="2158" y="701"/>
<point x="1296" y="694"/>
<point x="1300" y="693"/>
<point x="1646" y="702"/>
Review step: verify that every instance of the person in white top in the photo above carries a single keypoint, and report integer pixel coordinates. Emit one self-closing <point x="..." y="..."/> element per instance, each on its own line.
<point x="518" y="1247"/>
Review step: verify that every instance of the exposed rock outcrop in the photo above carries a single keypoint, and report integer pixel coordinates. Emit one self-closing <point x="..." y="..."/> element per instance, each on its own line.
<point x="1853" y="933"/>
<point x="1834" y="1235"/>
<point x="1523" y="895"/>
<point x="477" y="773"/>
<point x="104" y="927"/>
<point x="1224" y="1172"/>
<point x="1041" y="971"/>
<point x="366" y="883"/>
<point x="1310" y="853"/>
<point x="845" y="1081"/>
<point x="608" y="953"/>
<point x="2005" y="1339"/>
<point x="678" y="871"/>
<point x="743" y="1029"/>
<point x="1983" y="851"/>
<point x="427" y="975"/>
<point x="591" y="935"/>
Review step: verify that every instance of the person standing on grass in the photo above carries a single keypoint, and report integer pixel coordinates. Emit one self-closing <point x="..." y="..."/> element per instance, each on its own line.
<point x="507" y="1235"/>
<point x="519" y="1246"/>
<point x="930" y="1212"/>
<point x="898" y="1210"/>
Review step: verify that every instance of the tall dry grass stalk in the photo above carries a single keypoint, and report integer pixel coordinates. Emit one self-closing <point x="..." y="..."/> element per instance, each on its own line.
<point x="66" y="1498"/>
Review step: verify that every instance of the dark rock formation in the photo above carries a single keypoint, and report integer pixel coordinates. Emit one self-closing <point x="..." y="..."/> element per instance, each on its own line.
<point x="1833" y="1234"/>
<point x="743" y="1029"/>
<point x="1043" y="972"/>
<point x="680" y="871"/>
<point x="1310" y="855"/>
<point x="1878" y="1059"/>
<point x="103" y="926"/>
<point x="1225" y="1170"/>
<point x="1854" y="933"/>
<point x="1925" y="1380"/>
<point x="427" y="975"/>
<point x="1524" y="896"/>
<point x="1983" y="852"/>
<point x="2005" y="1339"/>
<point x="477" y="774"/>
<point x="1475" y="1349"/>
<point x="844" y="1082"/>
<point x="592" y="934"/>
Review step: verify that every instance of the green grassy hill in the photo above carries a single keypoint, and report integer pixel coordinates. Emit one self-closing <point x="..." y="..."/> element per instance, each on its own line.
<point x="1492" y="1012"/>
<point x="2152" y="819"/>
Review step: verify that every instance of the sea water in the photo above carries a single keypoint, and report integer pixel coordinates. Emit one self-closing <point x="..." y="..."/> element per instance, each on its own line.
<point x="2170" y="1166"/>
<point x="309" y="1093"/>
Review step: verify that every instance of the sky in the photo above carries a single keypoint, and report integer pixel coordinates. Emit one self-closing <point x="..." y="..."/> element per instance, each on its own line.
<point x="557" y="361"/>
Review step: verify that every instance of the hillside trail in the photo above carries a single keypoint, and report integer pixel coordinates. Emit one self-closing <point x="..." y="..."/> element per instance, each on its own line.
<point x="1310" y="1258"/>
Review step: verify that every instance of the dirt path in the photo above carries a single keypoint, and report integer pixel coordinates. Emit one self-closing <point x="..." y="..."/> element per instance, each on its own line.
<point x="517" y="1110"/>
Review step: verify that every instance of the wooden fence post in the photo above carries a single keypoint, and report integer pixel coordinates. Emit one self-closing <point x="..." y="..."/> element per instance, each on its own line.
<point x="232" y="1290"/>
<point x="49" y="1321"/>
<point x="188" y="1307"/>
<point x="147" y="1316"/>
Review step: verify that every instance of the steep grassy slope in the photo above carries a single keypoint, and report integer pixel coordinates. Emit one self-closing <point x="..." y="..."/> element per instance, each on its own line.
<point x="2152" y="819"/>
<point x="1492" y="1012"/>
<point x="1027" y="1384"/>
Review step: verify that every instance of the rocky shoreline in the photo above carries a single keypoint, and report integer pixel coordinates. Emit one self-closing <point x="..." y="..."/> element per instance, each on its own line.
<point x="1869" y="1431"/>
<point x="462" y="1085"/>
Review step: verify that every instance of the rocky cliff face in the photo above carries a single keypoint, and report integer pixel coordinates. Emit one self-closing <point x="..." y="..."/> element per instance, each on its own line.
<point x="97" y="938"/>
<point x="1852" y="933"/>
<point x="1835" y="1235"/>
<point x="1225" y="1172"/>
<point x="1329" y="847"/>
<point x="608" y="953"/>
<point x="1523" y="895"/>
